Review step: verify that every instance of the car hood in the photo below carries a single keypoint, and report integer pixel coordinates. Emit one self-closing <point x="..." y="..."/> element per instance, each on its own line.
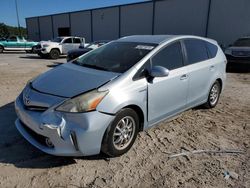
<point x="48" y="43"/>
<point x="69" y="80"/>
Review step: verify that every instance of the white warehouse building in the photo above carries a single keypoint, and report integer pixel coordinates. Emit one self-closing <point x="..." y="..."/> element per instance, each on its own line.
<point x="222" y="20"/>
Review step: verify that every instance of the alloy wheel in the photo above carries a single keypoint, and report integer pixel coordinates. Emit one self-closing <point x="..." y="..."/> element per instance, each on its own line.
<point x="214" y="94"/>
<point x="124" y="133"/>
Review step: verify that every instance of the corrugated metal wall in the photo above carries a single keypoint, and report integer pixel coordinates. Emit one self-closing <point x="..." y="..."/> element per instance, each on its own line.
<point x="136" y="19"/>
<point x="59" y="21"/>
<point x="105" y="24"/>
<point x="181" y="17"/>
<point x="81" y="24"/>
<point x="46" y="30"/>
<point x="229" y="20"/>
<point x="33" y="29"/>
<point x="222" y="20"/>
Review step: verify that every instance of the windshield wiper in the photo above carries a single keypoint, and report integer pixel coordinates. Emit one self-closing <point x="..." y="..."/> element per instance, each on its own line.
<point x="94" y="67"/>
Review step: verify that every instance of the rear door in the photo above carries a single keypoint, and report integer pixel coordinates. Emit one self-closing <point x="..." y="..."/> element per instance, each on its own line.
<point x="167" y="95"/>
<point x="76" y="42"/>
<point x="200" y="70"/>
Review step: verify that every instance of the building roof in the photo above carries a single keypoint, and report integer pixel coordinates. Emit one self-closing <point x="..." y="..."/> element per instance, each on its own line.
<point x="155" y="39"/>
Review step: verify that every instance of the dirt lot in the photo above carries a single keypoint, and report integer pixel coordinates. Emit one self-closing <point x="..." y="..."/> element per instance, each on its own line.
<point x="147" y="164"/>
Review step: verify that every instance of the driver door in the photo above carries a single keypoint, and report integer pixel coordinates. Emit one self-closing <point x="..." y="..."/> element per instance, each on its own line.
<point x="168" y="95"/>
<point x="67" y="45"/>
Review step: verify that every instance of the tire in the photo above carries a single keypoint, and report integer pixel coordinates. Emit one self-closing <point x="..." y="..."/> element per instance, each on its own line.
<point x="32" y="50"/>
<point x="1" y="49"/>
<point x="121" y="133"/>
<point x="54" y="54"/>
<point x="214" y="95"/>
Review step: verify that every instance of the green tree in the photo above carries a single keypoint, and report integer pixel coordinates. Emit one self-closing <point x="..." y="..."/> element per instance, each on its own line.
<point x="6" y="30"/>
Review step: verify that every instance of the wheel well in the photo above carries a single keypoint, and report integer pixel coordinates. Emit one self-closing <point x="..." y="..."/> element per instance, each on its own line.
<point x="220" y="82"/>
<point x="56" y="49"/>
<point x="140" y="114"/>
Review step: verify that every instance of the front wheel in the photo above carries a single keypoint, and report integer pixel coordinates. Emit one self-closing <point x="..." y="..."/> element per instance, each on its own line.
<point x="214" y="95"/>
<point x="54" y="54"/>
<point x="121" y="133"/>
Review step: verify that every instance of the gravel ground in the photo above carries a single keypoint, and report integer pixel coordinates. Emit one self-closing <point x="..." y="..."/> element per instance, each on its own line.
<point x="147" y="164"/>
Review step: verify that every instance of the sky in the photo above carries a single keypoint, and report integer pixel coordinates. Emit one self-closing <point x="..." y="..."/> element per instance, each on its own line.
<point x="30" y="8"/>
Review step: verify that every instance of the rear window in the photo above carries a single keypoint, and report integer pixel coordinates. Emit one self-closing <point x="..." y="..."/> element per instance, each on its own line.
<point x="196" y="50"/>
<point x="77" y="40"/>
<point x="244" y="42"/>
<point x="212" y="49"/>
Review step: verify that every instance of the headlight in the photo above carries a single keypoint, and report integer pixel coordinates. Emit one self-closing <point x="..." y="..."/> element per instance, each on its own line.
<point x="83" y="103"/>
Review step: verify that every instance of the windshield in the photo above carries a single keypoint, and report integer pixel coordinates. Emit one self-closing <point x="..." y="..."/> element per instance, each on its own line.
<point x="244" y="42"/>
<point x="115" y="56"/>
<point x="57" y="39"/>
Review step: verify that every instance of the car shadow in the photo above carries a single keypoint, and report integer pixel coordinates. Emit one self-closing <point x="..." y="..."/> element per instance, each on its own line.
<point x="17" y="151"/>
<point x="55" y="64"/>
<point x="35" y="56"/>
<point x="14" y="52"/>
<point x="233" y="68"/>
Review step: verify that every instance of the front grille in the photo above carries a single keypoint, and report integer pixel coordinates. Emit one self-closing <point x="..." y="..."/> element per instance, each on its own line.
<point x="36" y="108"/>
<point x="241" y="53"/>
<point x="38" y="46"/>
<point x="39" y="138"/>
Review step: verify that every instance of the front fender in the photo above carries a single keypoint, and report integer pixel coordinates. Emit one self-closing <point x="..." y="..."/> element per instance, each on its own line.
<point x="2" y="44"/>
<point x="134" y="93"/>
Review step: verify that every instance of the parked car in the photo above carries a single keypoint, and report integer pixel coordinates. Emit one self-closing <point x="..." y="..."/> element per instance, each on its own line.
<point x="100" y="101"/>
<point x="58" y="46"/>
<point x="16" y="43"/>
<point x="238" y="54"/>
<point x="73" y="54"/>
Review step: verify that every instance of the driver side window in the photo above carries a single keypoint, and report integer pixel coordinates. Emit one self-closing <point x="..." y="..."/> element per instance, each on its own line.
<point x="13" y="39"/>
<point x="169" y="57"/>
<point x="67" y="41"/>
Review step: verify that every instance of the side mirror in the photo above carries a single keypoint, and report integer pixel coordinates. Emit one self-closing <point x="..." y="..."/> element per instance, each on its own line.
<point x="159" y="71"/>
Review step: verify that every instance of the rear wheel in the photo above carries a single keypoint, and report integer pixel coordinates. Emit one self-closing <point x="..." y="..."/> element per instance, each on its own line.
<point x="214" y="95"/>
<point x="1" y="49"/>
<point x="54" y="54"/>
<point x="121" y="134"/>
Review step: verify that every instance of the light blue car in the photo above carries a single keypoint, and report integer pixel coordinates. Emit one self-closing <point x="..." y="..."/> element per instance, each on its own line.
<point x="101" y="100"/>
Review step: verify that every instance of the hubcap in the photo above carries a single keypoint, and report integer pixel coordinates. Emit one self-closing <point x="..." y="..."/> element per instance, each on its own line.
<point x="214" y="94"/>
<point x="124" y="133"/>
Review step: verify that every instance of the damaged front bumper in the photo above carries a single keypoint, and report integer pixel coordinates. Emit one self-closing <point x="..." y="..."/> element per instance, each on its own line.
<point x="62" y="134"/>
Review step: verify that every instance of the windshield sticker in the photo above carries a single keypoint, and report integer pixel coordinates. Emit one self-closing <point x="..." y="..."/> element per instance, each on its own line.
<point x="143" y="47"/>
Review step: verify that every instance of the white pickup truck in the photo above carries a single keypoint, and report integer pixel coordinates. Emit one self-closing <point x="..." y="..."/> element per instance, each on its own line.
<point x="58" y="46"/>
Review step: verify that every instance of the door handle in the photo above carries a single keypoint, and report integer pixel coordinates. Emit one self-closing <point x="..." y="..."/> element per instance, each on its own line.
<point x="184" y="77"/>
<point x="211" y="67"/>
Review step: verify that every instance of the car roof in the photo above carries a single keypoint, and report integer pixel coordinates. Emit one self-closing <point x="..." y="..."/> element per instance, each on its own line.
<point x="155" y="39"/>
